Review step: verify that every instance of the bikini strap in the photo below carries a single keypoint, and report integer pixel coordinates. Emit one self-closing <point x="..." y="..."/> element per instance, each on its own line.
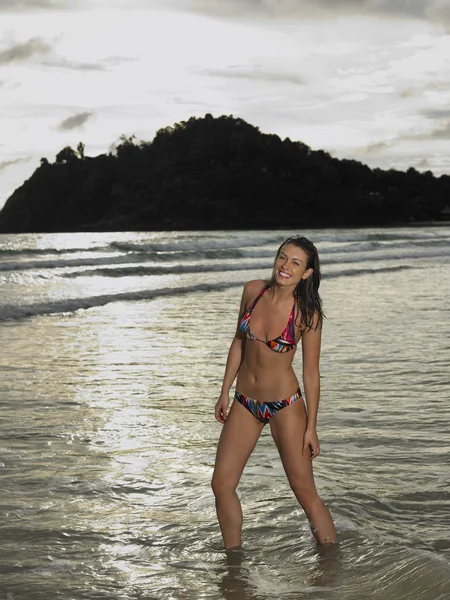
<point x="252" y="305"/>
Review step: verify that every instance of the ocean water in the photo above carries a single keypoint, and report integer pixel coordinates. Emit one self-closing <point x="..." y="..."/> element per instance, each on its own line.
<point x="113" y="347"/>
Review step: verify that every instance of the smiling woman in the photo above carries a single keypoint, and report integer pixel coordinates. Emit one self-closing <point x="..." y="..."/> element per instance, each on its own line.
<point x="269" y="391"/>
<point x="107" y="437"/>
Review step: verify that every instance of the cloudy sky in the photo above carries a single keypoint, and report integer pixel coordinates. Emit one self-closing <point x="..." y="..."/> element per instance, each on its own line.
<point x="363" y="79"/>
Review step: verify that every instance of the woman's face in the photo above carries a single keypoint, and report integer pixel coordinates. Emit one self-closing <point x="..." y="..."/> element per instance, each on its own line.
<point x="291" y="266"/>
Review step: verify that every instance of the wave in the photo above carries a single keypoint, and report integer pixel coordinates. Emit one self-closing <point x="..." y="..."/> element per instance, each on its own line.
<point x="224" y="249"/>
<point x="333" y="257"/>
<point x="143" y="270"/>
<point x="355" y="272"/>
<point x="369" y="235"/>
<point x="8" y="312"/>
<point x="375" y="245"/>
<point x="199" y="245"/>
<point x="147" y="271"/>
<point x="199" y="241"/>
<point x="369" y="242"/>
<point x="353" y="247"/>
<point x="50" y="251"/>
<point x="73" y="304"/>
<point x="71" y="262"/>
<point x="395" y="235"/>
<point x="346" y="248"/>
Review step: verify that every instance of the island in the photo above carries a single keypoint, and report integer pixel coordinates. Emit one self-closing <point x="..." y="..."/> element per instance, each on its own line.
<point x="217" y="173"/>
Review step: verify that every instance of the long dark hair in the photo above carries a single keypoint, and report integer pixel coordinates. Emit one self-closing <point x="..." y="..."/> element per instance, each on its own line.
<point x="307" y="290"/>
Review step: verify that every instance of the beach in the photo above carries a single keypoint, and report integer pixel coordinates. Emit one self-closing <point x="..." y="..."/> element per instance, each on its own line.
<point x="113" y="350"/>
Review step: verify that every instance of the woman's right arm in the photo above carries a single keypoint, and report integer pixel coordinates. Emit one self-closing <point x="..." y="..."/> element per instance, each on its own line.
<point x="234" y="360"/>
<point x="235" y="355"/>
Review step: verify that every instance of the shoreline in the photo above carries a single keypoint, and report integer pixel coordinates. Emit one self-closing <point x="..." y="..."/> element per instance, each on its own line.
<point x="401" y="225"/>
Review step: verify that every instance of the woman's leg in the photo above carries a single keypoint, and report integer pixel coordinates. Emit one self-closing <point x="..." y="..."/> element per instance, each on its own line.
<point x="288" y="427"/>
<point x="237" y="440"/>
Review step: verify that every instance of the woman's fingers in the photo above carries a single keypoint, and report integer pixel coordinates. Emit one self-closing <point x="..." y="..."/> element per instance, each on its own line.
<point x="311" y="447"/>
<point x="221" y="413"/>
<point x="315" y="452"/>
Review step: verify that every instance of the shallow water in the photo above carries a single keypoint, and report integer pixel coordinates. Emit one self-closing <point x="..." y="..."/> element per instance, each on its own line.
<point x="108" y="436"/>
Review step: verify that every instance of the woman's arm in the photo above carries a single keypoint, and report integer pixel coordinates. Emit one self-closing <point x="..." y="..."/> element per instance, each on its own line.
<point x="311" y="382"/>
<point x="234" y="360"/>
<point x="235" y="353"/>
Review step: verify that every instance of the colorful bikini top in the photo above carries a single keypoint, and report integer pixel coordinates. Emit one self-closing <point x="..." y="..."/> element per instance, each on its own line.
<point x="285" y="342"/>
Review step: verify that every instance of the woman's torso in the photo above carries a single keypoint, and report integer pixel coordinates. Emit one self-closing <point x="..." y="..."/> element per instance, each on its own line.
<point x="266" y="372"/>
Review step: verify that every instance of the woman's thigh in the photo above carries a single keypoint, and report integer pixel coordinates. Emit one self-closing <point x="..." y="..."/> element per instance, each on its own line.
<point x="239" y="435"/>
<point x="288" y="427"/>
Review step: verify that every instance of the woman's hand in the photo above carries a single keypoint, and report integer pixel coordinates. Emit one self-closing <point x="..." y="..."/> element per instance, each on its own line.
<point x="221" y="407"/>
<point x="311" y="446"/>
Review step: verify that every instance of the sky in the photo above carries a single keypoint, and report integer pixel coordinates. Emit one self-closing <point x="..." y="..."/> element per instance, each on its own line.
<point x="361" y="79"/>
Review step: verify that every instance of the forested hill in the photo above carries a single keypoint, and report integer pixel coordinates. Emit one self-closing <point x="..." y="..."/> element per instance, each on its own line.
<point x="216" y="173"/>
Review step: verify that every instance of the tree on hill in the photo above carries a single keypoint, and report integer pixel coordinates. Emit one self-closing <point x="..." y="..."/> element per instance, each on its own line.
<point x="215" y="173"/>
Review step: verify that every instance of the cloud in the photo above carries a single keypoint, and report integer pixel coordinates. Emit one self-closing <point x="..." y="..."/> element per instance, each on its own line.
<point x="24" y="51"/>
<point x="37" y="46"/>
<point x="376" y="148"/>
<point x="409" y="92"/>
<point x="432" y="86"/>
<point x="438" y="113"/>
<point x="438" y="86"/>
<point x="442" y="132"/>
<point x="237" y="72"/>
<point x="423" y="164"/>
<point x="23" y="5"/>
<point x="74" y="121"/>
<point x="4" y="164"/>
<point x="432" y="10"/>
<point x="59" y="62"/>
<point x="438" y="11"/>
<point x="63" y="63"/>
<point x="117" y="60"/>
<point x="439" y="132"/>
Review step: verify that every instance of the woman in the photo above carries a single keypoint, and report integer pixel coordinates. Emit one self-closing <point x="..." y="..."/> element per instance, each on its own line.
<point x="263" y="365"/>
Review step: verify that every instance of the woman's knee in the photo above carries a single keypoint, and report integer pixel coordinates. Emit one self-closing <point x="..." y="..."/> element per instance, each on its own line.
<point x="305" y="492"/>
<point x="222" y="485"/>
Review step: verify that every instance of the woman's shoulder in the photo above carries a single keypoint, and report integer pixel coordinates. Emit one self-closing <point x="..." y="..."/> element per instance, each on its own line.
<point x="254" y="286"/>
<point x="250" y="292"/>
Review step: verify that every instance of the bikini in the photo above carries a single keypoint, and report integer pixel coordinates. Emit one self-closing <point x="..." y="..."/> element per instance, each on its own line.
<point x="264" y="411"/>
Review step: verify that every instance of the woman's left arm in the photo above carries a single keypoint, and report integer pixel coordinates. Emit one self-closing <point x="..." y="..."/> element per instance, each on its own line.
<point x="311" y="382"/>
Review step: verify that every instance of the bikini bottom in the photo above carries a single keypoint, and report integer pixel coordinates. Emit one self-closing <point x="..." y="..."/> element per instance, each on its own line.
<point x="264" y="411"/>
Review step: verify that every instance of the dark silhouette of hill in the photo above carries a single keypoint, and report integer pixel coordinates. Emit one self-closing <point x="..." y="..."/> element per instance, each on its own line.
<point x="216" y="173"/>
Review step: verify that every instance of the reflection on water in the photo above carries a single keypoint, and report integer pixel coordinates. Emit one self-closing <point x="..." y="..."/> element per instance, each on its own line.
<point x="109" y="442"/>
